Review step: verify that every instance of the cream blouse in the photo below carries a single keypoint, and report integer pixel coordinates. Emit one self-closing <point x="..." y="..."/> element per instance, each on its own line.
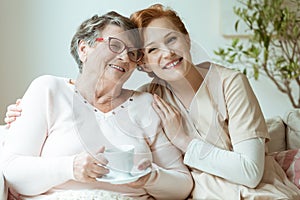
<point x="57" y="123"/>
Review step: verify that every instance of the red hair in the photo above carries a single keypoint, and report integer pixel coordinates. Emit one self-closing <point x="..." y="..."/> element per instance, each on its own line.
<point x="144" y="17"/>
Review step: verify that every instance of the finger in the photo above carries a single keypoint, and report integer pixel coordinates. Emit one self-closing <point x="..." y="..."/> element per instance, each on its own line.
<point x="172" y="110"/>
<point x="18" y="102"/>
<point x="168" y="106"/>
<point x="9" y="120"/>
<point x="162" y="104"/>
<point x="144" y="164"/>
<point x="14" y="107"/>
<point x="95" y="175"/>
<point x="99" y="157"/>
<point x="159" y="103"/>
<point x="13" y="113"/>
<point x="90" y="179"/>
<point x="99" y="170"/>
<point x="158" y="111"/>
<point x="101" y="149"/>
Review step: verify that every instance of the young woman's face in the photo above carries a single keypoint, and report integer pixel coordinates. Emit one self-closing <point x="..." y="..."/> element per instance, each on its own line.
<point x="167" y="51"/>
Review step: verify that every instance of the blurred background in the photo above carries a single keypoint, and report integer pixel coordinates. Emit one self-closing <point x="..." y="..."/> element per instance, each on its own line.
<point x="35" y="37"/>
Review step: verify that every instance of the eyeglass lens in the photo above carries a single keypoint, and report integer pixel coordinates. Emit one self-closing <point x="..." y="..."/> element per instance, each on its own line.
<point x="118" y="46"/>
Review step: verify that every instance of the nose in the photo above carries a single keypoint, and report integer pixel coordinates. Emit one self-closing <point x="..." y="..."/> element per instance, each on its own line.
<point x="168" y="53"/>
<point x="124" y="56"/>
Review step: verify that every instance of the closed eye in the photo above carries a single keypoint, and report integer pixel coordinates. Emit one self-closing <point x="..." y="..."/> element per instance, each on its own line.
<point x="171" y="39"/>
<point x="150" y="50"/>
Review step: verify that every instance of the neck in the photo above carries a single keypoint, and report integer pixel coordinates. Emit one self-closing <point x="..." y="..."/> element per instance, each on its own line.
<point x="103" y="96"/>
<point x="186" y="88"/>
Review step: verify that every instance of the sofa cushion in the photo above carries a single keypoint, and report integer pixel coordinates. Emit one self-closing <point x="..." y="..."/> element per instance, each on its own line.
<point x="289" y="160"/>
<point x="292" y="121"/>
<point x="276" y="130"/>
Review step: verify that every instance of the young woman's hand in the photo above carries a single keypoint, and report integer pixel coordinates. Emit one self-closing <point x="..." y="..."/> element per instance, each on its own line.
<point x="86" y="168"/>
<point x="172" y="123"/>
<point x="143" y="165"/>
<point x="13" y="111"/>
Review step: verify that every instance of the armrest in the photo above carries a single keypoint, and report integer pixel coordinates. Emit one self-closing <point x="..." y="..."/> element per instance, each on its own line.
<point x="276" y="129"/>
<point x="292" y="121"/>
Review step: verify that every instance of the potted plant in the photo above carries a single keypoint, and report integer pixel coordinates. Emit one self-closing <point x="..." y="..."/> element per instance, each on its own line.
<point x="272" y="47"/>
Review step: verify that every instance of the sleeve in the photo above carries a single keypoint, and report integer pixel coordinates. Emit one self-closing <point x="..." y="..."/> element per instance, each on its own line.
<point x="247" y="132"/>
<point x="244" y="165"/>
<point x="245" y="118"/>
<point x="23" y="166"/>
<point x="168" y="167"/>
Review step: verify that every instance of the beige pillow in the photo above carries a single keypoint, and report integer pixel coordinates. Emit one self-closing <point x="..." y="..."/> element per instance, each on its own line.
<point x="276" y="129"/>
<point x="292" y="121"/>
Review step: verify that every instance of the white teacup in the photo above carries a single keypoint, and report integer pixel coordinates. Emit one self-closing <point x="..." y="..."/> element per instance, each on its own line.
<point x="120" y="158"/>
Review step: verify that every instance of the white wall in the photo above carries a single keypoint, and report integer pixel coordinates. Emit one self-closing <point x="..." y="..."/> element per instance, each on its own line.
<point x="35" y="37"/>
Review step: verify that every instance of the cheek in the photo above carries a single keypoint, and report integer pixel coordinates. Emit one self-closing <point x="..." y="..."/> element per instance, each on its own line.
<point x="132" y="67"/>
<point x="152" y="59"/>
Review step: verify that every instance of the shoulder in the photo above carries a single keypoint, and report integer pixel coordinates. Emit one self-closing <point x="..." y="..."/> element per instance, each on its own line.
<point x="226" y="77"/>
<point x="142" y="105"/>
<point x="142" y="97"/>
<point x="143" y="114"/>
<point x="225" y="72"/>
<point x="48" y="81"/>
<point x="157" y="86"/>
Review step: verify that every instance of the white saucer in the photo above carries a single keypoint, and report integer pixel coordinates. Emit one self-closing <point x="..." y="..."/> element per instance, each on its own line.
<point x="121" y="178"/>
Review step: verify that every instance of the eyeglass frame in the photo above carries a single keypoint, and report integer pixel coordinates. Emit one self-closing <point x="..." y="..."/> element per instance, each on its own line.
<point x="101" y="39"/>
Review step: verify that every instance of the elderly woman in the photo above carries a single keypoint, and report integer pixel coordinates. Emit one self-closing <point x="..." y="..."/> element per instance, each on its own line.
<point x="58" y="143"/>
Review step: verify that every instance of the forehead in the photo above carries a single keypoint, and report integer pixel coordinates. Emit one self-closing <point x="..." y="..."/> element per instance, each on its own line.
<point x="112" y="31"/>
<point x="159" y="28"/>
<point x="163" y="22"/>
<point x="115" y="31"/>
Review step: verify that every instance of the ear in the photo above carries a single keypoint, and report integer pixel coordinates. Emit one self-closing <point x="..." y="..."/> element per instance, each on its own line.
<point x="82" y="50"/>
<point x="142" y="66"/>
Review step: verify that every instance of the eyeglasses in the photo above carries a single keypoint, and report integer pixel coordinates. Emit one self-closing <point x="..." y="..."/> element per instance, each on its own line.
<point x="118" y="46"/>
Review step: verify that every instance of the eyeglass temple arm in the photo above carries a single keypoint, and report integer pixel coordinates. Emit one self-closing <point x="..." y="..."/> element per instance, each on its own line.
<point x="100" y="39"/>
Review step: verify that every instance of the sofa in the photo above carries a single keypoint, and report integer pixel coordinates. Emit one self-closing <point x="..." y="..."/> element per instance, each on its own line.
<point x="284" y="132"/>
<point x="283" y="145"/>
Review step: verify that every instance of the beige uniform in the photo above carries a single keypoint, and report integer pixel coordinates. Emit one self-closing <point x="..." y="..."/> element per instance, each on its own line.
<point x="224" y="112"/>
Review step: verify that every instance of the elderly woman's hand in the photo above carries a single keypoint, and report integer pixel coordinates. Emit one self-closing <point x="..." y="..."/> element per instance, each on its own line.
<point x="13" y="111"/>
<point x="87" y="168"/>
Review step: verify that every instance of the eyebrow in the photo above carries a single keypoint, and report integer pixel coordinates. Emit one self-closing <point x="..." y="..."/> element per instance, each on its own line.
<point x="164" y="37"/>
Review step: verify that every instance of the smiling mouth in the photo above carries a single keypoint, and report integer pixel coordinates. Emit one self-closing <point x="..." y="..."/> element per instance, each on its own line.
<point x="117" y="67"/>
<point x="172" y="64"/>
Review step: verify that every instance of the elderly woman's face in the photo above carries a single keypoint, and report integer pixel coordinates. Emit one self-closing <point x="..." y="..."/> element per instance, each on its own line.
<point x="111" y="56"/>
